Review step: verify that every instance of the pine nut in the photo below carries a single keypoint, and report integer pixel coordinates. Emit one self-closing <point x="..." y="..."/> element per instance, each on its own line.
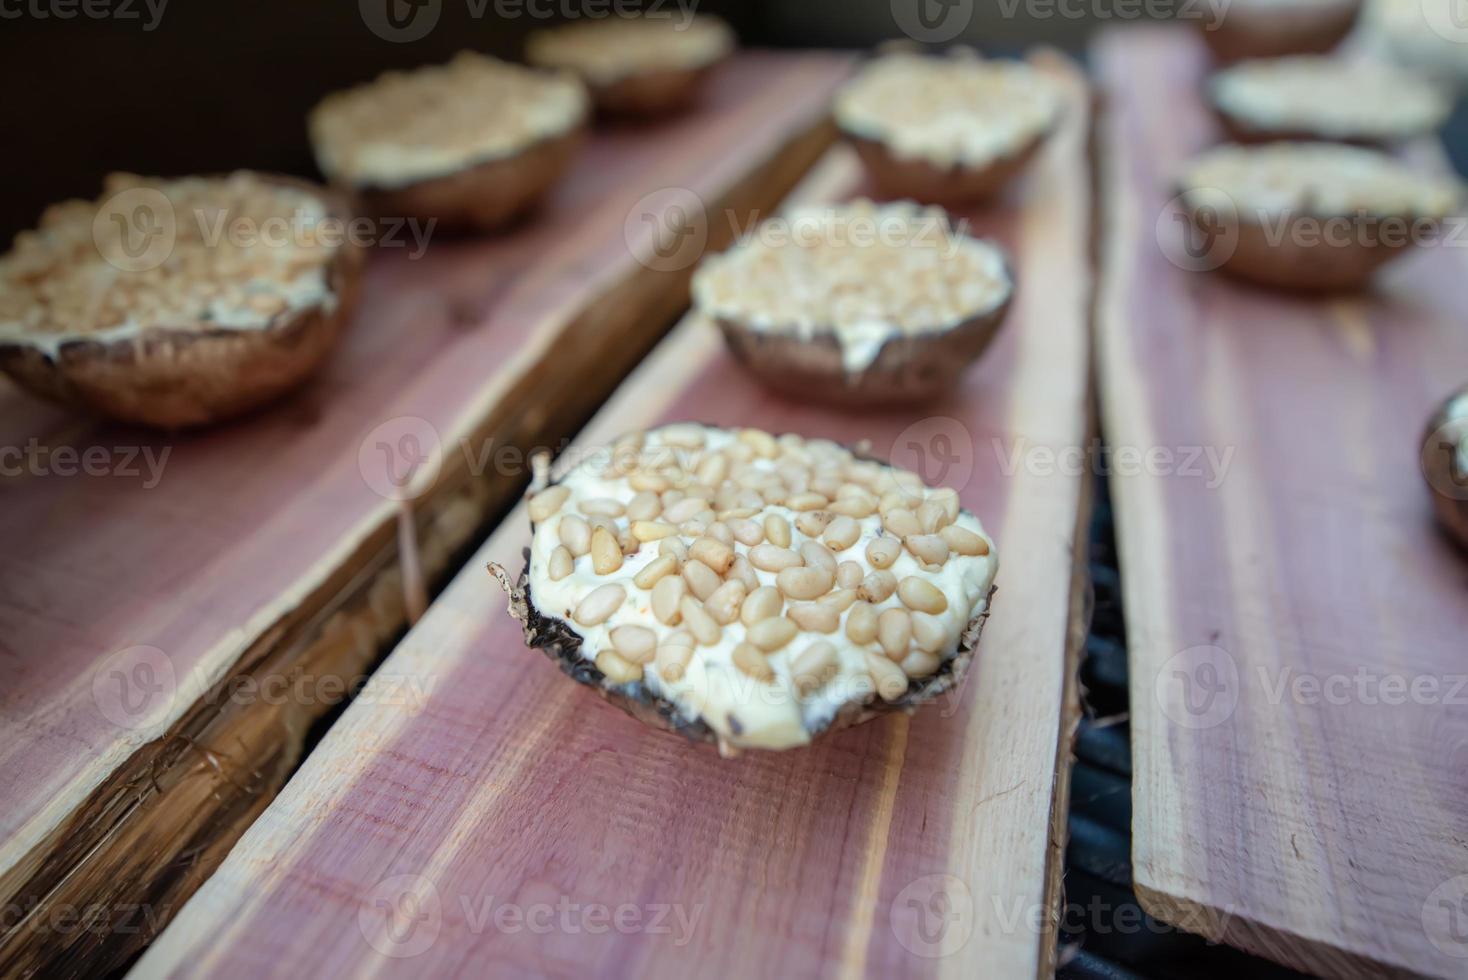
<point x="743" y="571"/>
<point x="772" y="634"/>
<point x="842" y="533"/>
<point x="651" y="482"/>
<point x="746" y="532"/>
<point x="855" y="507"/>
<point x="725" y="603"/>
<point x="719" y="531"/>
<point x="652" y="530"/>
<point x="922" y="595"/>
<point x="902" y="522"/>
<point x="617" y="669"/>
<point x="840" y="600"/>
<point x="654" y="571"/>
<point x="713" y="470"/>
<point x="964" y="541"/>
<point x="545" y="504"/>
<point x="878" y="587"/>
<point x="685" y="510"/>
<point x="761" y="442"/>
<point x="561" y="563"/>
<point x="575" y="534"/>
<point x="773" y="558"/>
<point x="928" y="632"/>
<point x="673" y="657"/>
<point x="813" y="522"/>
<point x="714" y="553"/>
<point x="667" y="596"/>
<point x="777" y="529"/>
<point x="702" y="580"/>
<point x="606" y="553"/>
<point x="753" y="663"/>
<point x="635" y="644"/>
<point x="703" y="626"/>
<point x="675" y="547"/>
<point x="818" y="555"/>
<point x="761" y="604"/>
<point x="815" y="665"/>
<point x="933" y="517"/>
<point x="683" y="434"/>
<point x="894" y="632"/>
<point x="644" y="506"/>
<point x="890" y="681"/>
<point x="814" y="617"/>
<point x="602" y="507"/>
<point x="920" y="663"/>
<point x="883" y="551"/>
<point x="861" y="623"/>
<point x="810" y="582"/>
<point x="599" y="604"/>
<point x="947" y="498"/>
<point x="809" y="500"/>
<point x="929" y="548"/>
<point x="849" y="575"/>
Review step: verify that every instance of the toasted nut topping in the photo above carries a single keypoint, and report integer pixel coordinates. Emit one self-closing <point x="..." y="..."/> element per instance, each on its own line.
<point x="812" y="523"/>
<point x="890" y="681"/>
<point x="602" y="507"/>
<point x="599" y="605"/>
<point x="655" y="570"/>
<point x="617" y="669"/>
<point x="726" y="601"/>
<point x="606" y="553"/>
<point x="744" y="572"/>
<point x="685" y="436"/>
<point x="928" y="632"/>
<point x="674" y="547"/>
<point x="840" y="600"/>
<point x="861" y="623"/>
<point x="575" y="534"/>
<point x="772" y="558"/>
<point x="814" y="617"/>
<point x="894" y="632"/>
<point x="761" y="604"/>
<point x="751" y="661"/>
<point x="561" y="563"/>
<point x="685" y="509"/>
<point x="810" y="582"/>
<point x="815" y="665"/>
<point x="810" y="500"/>
<point x="933" y="517"/>
<point x="667" y="596"/>
<point x="818" y="555"/>
<point x="651" y="482"/>
<point x="963" y="541"/>
<point x="919" y="593"/>
<point x="644" y="506"/>
<point x="673" y="657"/>
<point x="652" y="530"/>
<point x="716" y="554"/>
<point x="545" y="504"/>
<point x="702" y="580"/>
<point x="849" y="575"/>
<point x="882" y="552"/>
<point x="878" y="587"/>
<point x="777" y="529"/>
<point x="929" y="548"/>
<point x="902" y="522"/>
<point x="842" y="533"/>
<point x="746" y="532"/>
<point x="857" y="507"/>
<point x="703" y="626"/>
<point x="635" y="644"/>
<point x="761" y="442"/>
<point x="920" y="663"/>
<point x="772" y="634"/>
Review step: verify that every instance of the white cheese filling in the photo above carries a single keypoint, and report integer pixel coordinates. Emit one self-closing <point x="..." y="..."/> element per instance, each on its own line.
<point x="1330" y="97"/>
<point x="741" y="710"/>
<point x="863" y="272"/>
<point x="953" y="111"/>
<point x="606" y="51"/>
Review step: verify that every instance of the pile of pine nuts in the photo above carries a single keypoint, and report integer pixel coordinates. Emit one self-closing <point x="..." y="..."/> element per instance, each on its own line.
<point x="797" y="510"/>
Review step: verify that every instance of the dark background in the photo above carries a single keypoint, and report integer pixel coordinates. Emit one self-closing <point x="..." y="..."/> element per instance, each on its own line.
<point x="223" y="84"/>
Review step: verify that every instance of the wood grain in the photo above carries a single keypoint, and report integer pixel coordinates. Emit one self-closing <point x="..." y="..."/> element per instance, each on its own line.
<point x="511" y="790"/>
<point x="1320" y="826"/>
<point x="261" y="569"/>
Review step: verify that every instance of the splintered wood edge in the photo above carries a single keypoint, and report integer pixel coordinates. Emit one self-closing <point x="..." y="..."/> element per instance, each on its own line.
<point x="202" y="784"/>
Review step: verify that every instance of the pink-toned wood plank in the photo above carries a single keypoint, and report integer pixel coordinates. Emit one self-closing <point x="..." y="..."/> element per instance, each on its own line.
<point x="230" y="544"/>
<point x="924" y="846"/>
<point x="1324" y="828"/>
